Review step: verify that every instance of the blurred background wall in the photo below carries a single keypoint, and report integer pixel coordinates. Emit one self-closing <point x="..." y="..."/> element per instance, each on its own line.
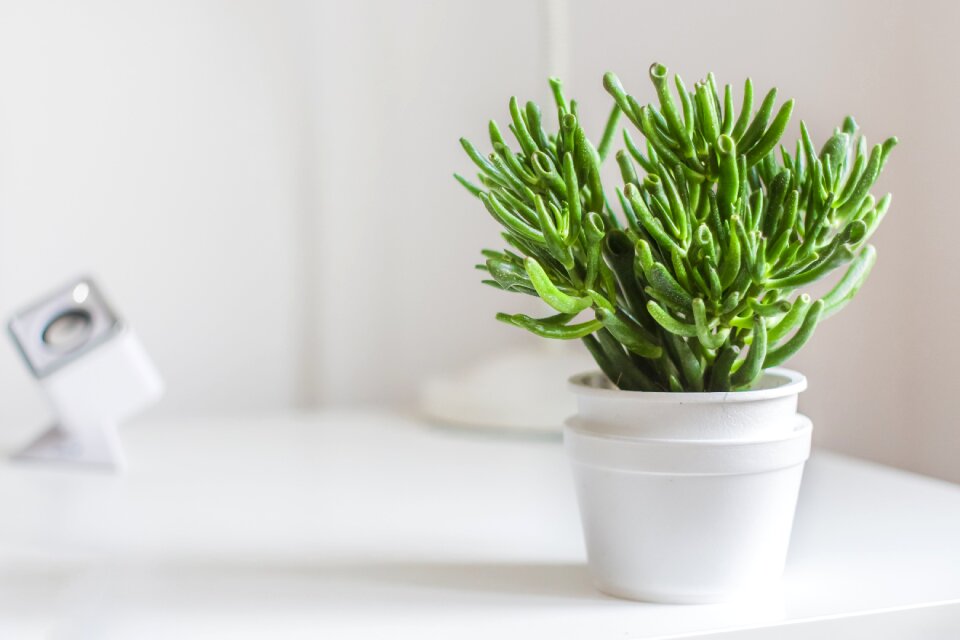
<point x="264" y="187"/>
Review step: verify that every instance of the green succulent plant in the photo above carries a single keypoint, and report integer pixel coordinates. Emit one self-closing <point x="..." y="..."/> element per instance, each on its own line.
<point x="699" y="285"/>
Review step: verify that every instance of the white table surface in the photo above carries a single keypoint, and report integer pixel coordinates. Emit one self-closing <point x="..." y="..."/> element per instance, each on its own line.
<point x="362" y="524"/>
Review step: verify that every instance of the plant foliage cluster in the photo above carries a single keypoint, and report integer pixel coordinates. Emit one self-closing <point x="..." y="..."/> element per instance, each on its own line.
<point x="698" y="284"/>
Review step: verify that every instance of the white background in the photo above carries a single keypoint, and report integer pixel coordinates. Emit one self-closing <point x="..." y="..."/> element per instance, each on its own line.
<point x="263" y="188"/>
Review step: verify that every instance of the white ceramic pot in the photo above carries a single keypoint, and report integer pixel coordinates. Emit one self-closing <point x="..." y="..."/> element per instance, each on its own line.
<point x="687" y="497"/>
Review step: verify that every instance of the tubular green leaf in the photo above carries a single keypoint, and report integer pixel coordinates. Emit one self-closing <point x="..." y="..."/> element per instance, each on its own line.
<point x="552" y="327"/>
<point x="549" y="292"/>
<point x="839" y="254"/>
<point x="627" y="171"/>
<point x="851" y="281"/>
<point x="707" y="339"/>
<point x="859" y="192"/>
<point x="517" y="206"/>
<point x="514" y="167"/>
<point x="628" y="375"/>
<point x="526" y="141"/>
<point x="506" y="179"/>
<point x="556" y="87"/>
<point x="785" y="351"/>
<point x="746" y="110"/>
<point x="658" y="74"/>
<point x="849" y="125"/>
<point x="759" y="124"/>
<point x="758" y="267"/>
<point x="478" y="159"/>
<point x="730" y="261"/>
<point x="593" y="230"/>
<point x="720" y="371"/>
<point x="600" y="357"/>
<point x="770" y="310"/>
<point x="888" y="146"/>
<point x="774" y="211"/>
<point x="727" y="125"/>
<point x="644" y="256"/>
<point x="652" y="134"/>
<point x="678" y="212"/>
<point x="788" y="218"/>
<point x="469" y="186"/>
<point x="772" y="136"/>
<point x="729" y="182"/>
<point x="618" y="252"/>
<point x="680" y="269"/>
<point x="630" y="334"/>
<point x="555" y="243"/>
<point x="600" y="301"/>
<point x="668" y="322"/>
<point x="730" y="303"/>
<point x="572" y="188"/>
<point x="710" y="126"/>
<point x="705" y="240"/>
<point x="776" y="332"/>
<point x="713" y="281"/>
<point x="653" y="226"/>
<point x="835" y="149"/>
<point x="535" y="126"/>
<point x="495" y="136"/>
<point x="808" y="150"/>
<point x="508" y="275"/>
<point x="753" y="363"/>
<point x="585" y="159"/>
<point x="874" y="217"/>
<point x="543" y="167"/>
<point x="689" y="362"/>
<point x="612" y="85"/>
<point x="661" y="280"/>
<point x="509" y="220"/>
<point x="609" y="131"/>
<point x="634" y="151"/>
<point x="689" y="114"/>
<point x="628" y="211"/>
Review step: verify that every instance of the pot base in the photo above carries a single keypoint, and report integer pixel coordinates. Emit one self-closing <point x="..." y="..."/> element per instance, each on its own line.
<point x="669" y="597"/>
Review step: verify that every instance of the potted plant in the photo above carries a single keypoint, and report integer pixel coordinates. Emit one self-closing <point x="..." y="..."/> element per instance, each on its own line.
<point x="688" y="286"/>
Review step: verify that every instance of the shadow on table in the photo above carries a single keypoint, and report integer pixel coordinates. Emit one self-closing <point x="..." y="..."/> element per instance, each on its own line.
<point x="213" y="579"/>
<point x="549" y="580"/>
<point x="390" y="582"/>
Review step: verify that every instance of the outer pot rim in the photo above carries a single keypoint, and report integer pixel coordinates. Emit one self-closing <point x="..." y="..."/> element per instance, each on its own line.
<point x="688" y="457"/>
<point x="777" y="382"/>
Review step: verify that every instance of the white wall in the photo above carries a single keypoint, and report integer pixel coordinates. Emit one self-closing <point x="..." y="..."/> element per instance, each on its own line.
<point x="397" y="237"/>
<point x="159" y="146"/>
<point x="265" y="189"/>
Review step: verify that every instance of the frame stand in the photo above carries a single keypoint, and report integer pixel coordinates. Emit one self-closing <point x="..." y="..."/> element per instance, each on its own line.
<point x="93" y="446"/>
